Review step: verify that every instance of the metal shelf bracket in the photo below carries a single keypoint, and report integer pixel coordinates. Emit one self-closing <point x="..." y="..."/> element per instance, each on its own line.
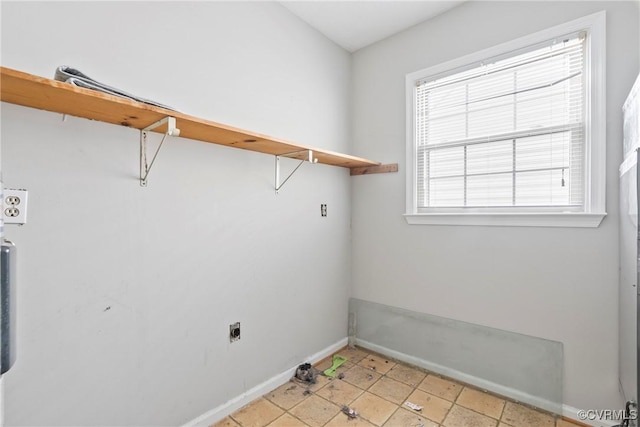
<point x="309" y="159"/>
<point x="172" y="130"/>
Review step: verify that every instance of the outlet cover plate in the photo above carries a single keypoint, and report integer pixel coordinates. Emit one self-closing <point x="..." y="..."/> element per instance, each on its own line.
<point x="14" y="206"/>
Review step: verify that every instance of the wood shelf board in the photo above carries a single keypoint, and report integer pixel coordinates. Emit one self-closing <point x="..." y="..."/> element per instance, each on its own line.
<point x="25" y="89"/>
<point x="368" y="170"/>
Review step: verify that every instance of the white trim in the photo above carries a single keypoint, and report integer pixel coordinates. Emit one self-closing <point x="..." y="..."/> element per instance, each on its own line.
<point x="568" y="219"/>
<point x="218" y="413"/>
<point x="572" y="413"/>
<point x="567" y="411"/>
<point x="626" y="106"/>
<point x="628" y="163"/>
<point x="1" y="376"/>
<point x="595" y="140"/>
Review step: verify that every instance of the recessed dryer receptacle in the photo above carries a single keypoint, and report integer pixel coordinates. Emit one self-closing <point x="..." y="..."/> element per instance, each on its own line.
<point x="234" y="332"/>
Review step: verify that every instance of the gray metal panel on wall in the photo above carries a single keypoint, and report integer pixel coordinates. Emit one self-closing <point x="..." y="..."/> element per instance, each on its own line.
<point x="7" y="307"/>
<point x="519" y="366"/>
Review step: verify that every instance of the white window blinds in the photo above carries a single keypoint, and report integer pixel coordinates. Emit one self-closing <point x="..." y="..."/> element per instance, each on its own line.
<point x="505" y="134"/>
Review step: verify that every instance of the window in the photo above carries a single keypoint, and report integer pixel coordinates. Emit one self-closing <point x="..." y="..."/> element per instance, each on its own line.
<point x="513" y="135"/>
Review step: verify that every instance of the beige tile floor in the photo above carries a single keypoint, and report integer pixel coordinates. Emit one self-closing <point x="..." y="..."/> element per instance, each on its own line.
<point x="377" y="389"/>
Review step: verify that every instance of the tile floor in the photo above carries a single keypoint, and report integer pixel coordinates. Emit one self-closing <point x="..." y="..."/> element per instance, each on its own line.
<point x="377" y="389"/>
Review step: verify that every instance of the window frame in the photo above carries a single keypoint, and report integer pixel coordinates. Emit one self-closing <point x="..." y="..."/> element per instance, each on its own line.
<point x="595" y="135"/>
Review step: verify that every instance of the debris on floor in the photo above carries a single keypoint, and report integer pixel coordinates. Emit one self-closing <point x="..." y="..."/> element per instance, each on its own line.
<point x="340" y="376"/>
<point x="351" y="413"/>
<point x="337" y="362"/>
<point x="306" y="373"/>
<point x="370" y="366"/>
<point x="413" y="406"/>
<point x="340" y="393"/>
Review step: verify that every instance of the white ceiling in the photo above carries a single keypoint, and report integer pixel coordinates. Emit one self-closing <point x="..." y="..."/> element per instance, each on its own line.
<point x="356" y="24"/>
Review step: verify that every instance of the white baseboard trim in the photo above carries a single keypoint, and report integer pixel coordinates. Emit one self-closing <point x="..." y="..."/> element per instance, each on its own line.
<point x="567" y="411"/>
<point x="218" y="413"/>
<point x="571" y="412"/>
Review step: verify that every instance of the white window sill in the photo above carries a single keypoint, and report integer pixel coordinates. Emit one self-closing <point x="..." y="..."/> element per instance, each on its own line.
<point x="567" y="219"/>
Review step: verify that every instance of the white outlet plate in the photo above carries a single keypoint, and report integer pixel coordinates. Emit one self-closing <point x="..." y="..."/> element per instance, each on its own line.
<point x="14" y="206"/>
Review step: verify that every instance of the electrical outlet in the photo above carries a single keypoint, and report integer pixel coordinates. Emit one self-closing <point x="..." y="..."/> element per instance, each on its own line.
<point x="15" y="206"/>
<point x="323" y="209"/>
<point x="234" y="332"/>
<point x="12" y="212"/>
<point x="13" y="200"/>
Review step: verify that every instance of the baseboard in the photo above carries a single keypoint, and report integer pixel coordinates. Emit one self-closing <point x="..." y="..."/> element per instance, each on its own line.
<point x="218" y="413"/>
<point x="572" y="413"/>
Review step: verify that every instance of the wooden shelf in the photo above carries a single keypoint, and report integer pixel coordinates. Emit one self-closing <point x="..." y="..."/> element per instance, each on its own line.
<point x="32" y="91"/>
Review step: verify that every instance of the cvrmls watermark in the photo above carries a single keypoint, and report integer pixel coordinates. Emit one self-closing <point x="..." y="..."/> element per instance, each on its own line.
<point x="607" y="414"/>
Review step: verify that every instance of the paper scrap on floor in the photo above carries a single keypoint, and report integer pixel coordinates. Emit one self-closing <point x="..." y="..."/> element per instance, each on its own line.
<point x="413" y="406"/>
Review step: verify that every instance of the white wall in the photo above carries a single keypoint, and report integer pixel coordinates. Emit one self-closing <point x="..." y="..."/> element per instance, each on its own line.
<point x="126" y="293"/>
<point x="559" y="284"/>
